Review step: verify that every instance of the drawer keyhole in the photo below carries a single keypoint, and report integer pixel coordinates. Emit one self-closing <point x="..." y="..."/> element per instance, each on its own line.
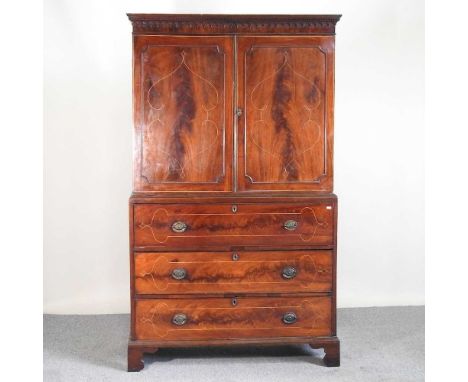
<point x="234" y="301"/>
<point x="234" y="208"/>
<point x="235" y="256"/>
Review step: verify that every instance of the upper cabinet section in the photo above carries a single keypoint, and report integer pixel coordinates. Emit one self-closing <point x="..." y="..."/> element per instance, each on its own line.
<point x="183" y="101"/>
<point x="233" y="103"/>
<point x="285" y="87"/>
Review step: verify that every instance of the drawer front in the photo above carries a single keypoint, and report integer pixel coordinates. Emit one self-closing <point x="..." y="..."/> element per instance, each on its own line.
<point x="226" y="318"/>
<point x="205" y="272"/>
<point x="226" y="224"/>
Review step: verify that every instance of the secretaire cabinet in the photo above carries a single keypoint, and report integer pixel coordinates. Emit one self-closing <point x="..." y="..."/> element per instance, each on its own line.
<point x="232" y="216"/>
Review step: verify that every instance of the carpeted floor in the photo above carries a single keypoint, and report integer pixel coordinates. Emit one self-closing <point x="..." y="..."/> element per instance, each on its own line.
<point x="377" y="345"/>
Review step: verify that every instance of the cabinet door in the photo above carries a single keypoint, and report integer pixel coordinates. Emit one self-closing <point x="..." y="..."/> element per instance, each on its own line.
<point x="183" y="113"/>
<point x="285" y="133"/>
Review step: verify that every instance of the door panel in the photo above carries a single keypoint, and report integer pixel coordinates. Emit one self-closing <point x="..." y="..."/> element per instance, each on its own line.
<point x="183" y="113"/>
<point x="285" y="133"/>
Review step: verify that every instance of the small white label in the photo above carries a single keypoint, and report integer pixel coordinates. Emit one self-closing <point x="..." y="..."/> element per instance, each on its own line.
<point x="329" y="207"/>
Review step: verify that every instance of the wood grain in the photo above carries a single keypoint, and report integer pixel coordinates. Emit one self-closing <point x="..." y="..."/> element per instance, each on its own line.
<point x="233" y="122"/>
<point x="233" y="272"/>
<point x="286" y="132"/>
<point x="218" y="318"/>
<point x="183" y="119"/>
<point x="209" y="225"/>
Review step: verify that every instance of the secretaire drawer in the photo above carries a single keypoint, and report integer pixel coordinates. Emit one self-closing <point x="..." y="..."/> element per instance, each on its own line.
<point x="228" y="318"/>
<point x="195" y="225"/>
<point x="234" y="272"/>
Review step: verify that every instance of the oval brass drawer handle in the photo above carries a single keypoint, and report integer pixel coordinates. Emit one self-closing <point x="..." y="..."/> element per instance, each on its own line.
<point x="179" y="273"/>
<point x="179" y="319"/>
<point x="290" y="225"/>
<point x="179" y="227"/>
<point x="289" y="272"/>
<point x="289" y="318"/>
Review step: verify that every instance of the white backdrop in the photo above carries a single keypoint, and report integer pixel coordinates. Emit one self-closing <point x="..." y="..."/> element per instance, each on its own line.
<point x="379" y="168"/>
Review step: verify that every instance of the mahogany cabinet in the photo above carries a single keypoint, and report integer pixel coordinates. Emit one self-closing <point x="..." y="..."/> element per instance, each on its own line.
<point x="232" y="216"/>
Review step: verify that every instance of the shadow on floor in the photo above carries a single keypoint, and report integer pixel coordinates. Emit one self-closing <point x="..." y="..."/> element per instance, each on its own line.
<point x="302" y="353"/>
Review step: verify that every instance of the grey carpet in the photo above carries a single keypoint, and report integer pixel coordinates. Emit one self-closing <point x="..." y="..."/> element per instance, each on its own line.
<point x="377" y="344"/>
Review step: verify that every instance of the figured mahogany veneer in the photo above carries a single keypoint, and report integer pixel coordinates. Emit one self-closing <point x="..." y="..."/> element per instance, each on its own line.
<point x="183" y="113"/>
<point x="233" y="272"/>
<point x="238" y="317"/>
<point x="232" y="217"/>
<point x="286" y="132"/>
<point x="233" y="224"/>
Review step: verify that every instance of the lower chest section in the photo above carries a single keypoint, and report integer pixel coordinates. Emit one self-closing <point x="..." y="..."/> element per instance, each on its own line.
<point x="233" y="270"/>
